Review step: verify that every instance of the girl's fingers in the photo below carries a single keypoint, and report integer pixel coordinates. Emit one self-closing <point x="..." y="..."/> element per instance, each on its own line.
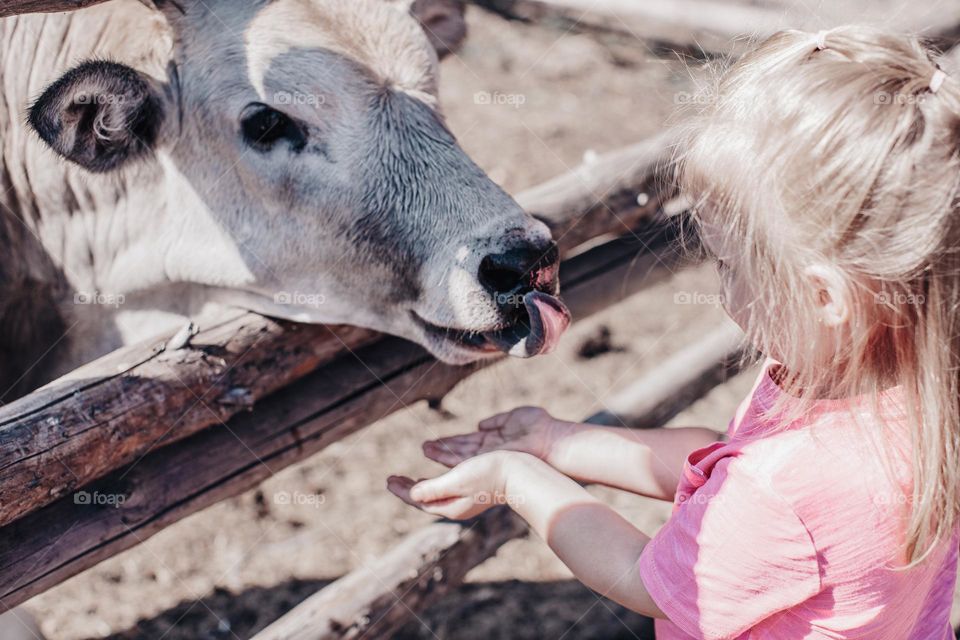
<point x="400" y="487"/>
<point x="494" y="422"/>
<point x="453" y="507"/>
<point x="443" y="455"/>
<point x="466" y="439"/>
<point x="446" y="458"/>
<point x="457" y="509"/>
<point x="460" y="446"/>
<point x="442" y="487"/>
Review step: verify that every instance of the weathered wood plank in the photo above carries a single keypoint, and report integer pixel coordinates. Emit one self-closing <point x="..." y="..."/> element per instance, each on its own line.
<point x="693" y="27"/>
<point x="113" y="411"/>
<point x="47" y="546"/>
<point x="677" y="382"/>
<point x="16" y="7"/>
<point x="379" y="598"/>
<point x="609" y="194"/>
<point x="711" y="26"/>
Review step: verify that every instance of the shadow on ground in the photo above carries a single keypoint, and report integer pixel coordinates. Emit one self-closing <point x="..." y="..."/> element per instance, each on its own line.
<point x="513" y="610"/>
<point x="223" y="615"/>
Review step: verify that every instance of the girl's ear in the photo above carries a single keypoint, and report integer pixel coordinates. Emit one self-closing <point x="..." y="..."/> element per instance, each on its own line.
<point x="830" y="294"/>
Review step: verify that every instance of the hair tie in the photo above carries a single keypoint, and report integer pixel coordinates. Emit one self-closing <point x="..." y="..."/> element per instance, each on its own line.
<point x="821" y="40"/>
<point x="936" y="80"/>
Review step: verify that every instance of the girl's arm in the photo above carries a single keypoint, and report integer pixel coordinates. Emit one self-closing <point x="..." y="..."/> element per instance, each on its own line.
<point x="642" y="461"/>
<point x="599" y="546"/>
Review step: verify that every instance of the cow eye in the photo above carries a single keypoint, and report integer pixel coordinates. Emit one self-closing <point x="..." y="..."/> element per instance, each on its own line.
<point x="264" y="127"/>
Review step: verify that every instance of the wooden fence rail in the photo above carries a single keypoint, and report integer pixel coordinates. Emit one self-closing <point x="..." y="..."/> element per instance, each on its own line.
<point x="694" y="25"/>
<point x="717" y="26"/>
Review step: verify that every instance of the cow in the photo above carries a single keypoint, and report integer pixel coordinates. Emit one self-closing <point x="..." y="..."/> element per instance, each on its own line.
<point x="288" y="157"/>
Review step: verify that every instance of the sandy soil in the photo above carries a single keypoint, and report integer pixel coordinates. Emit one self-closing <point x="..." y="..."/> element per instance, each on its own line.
<point x="230" y="570"/>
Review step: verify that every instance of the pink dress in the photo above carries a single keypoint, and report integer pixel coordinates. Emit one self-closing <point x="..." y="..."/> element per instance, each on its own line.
<point x="795" y="531"/>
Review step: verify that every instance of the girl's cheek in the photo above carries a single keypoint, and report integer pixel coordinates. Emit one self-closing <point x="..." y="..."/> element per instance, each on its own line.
<point x="737" y="315"/>
<point x="727" y="291"/>
<point x="734" y="301"/>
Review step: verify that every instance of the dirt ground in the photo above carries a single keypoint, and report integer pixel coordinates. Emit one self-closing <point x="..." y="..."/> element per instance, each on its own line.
<point x="230" y="570"/>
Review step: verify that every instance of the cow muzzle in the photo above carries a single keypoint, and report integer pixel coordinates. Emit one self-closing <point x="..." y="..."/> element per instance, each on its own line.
<point x="519" y="285"/>
<point x="523" y="283"/>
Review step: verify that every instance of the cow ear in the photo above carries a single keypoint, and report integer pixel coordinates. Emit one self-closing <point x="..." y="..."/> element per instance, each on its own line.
<point x="444" y="23"/>
<point x="99" y="115"/>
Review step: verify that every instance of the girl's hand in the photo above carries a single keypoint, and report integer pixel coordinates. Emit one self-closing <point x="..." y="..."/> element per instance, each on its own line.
<point x="462" y="493"/>
<point x="526" y="429"/>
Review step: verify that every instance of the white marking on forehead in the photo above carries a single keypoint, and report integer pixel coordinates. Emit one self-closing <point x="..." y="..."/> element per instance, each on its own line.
<point x="207" y="242"/>
<point x="374" y="33"/>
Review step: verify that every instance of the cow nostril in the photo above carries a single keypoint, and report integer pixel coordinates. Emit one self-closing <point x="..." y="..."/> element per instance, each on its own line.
<point x="498" y="277"/>
<point x="519" y="271"/>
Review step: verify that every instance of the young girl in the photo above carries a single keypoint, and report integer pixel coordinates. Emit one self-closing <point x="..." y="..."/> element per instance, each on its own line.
<point x="826" y="170"/>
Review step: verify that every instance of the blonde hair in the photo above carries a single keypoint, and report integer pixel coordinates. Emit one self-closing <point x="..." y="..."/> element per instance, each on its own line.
<point x="832" y="148"/>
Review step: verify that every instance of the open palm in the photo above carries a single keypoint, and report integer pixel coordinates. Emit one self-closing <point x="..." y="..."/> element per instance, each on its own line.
<point x="526" y="429"/>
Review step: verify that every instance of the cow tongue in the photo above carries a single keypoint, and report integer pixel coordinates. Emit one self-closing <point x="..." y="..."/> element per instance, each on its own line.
<point x="547" y="319"/>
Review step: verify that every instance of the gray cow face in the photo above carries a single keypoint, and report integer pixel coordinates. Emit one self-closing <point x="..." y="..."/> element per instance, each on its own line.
<point x="308" y="174"/>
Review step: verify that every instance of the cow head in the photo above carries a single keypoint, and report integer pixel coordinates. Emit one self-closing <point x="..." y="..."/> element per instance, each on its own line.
<point x="308" y="173"/>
